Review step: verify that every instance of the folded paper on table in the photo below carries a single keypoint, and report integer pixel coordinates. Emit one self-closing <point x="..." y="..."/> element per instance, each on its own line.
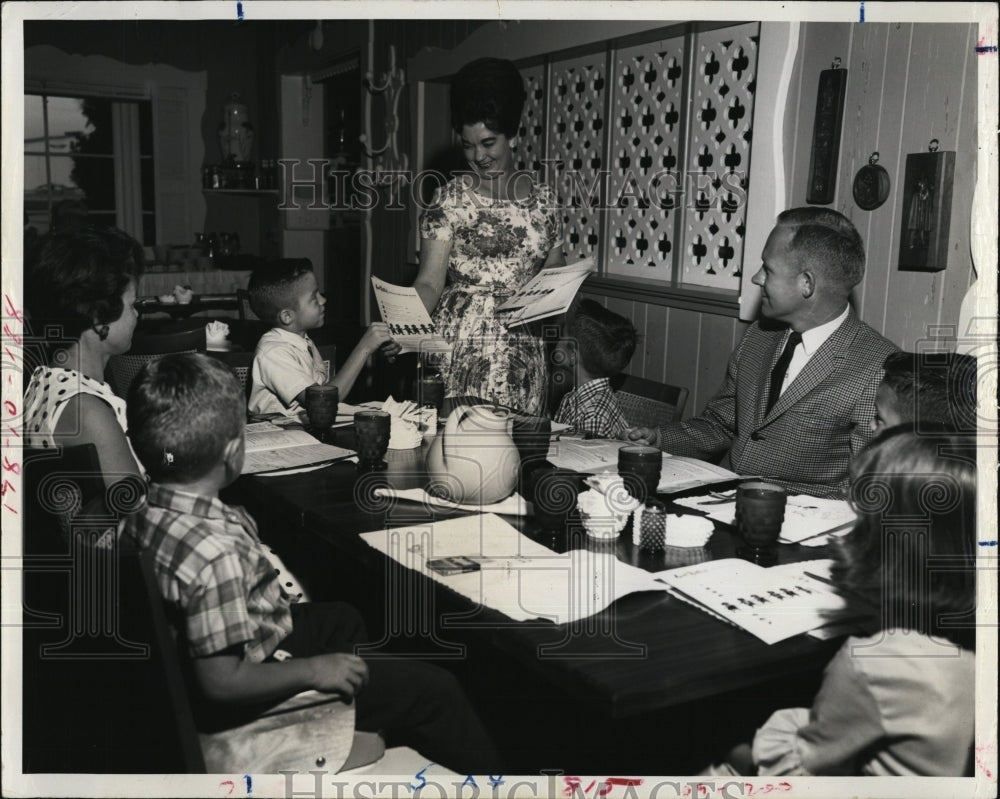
<point x="771" y="603"/>
<point x="269" y="448"/>
<point x="806" y="517"/>
<point x="548" y="293"/>
<point x="517" y="576"/>
<point x="597" y="455"/>
<point x="514" y="505"/>
<point x="409" y="323"/>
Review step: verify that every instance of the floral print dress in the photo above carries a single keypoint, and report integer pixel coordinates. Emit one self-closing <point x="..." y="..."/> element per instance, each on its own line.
<point x="497" y="247"/>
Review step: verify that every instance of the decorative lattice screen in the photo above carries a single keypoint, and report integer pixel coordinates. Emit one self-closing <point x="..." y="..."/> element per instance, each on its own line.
<point x="653" y="173"/>
<point x="576" y="130"/>
<point x="645" y="134"/>
<point x="720" y="127"/>
<point x="530" y="137"/>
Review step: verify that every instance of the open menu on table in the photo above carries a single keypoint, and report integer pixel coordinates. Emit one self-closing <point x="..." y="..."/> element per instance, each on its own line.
<point x="771" y="603"/>
<point x="269" y="448"/>
<point x="596" y="455"/>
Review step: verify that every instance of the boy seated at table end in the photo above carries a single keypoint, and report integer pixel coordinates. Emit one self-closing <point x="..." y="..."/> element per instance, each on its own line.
<point x="285" y="294"/>
<point x="602" y="344"/>
<point x="253" y="647"/>
<point x="937" y="388"/>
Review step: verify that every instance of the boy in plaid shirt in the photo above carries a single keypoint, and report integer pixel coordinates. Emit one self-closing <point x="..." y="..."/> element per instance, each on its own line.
<point x="251" y="644"/>
<point x="605" y="342"/>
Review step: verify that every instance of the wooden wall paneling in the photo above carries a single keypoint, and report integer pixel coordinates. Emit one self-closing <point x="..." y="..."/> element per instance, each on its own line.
<point x="877" y="81"/>
<point x="930" y="105"/>
<point x="681" y="369"/>
<point x="714" y="346"/>
<point x="959" y="275"/>
<point x="650" y="359"/>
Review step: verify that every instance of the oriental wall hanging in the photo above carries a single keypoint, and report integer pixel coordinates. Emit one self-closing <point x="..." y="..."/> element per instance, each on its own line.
<point x="926" y="213"/>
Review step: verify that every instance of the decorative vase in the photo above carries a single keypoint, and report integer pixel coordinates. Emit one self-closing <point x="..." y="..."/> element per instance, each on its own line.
<point x="235" y="131"/>
<point x="473" y="459"/>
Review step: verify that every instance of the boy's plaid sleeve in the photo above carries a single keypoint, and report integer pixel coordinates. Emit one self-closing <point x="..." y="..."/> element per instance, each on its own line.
<point x="217" y="615"/>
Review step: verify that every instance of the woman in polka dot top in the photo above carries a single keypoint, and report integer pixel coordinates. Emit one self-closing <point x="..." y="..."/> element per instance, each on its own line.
<point x="80" y="292"/>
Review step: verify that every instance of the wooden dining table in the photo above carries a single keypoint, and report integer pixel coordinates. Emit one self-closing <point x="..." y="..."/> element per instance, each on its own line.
<point x="647" y="655"/>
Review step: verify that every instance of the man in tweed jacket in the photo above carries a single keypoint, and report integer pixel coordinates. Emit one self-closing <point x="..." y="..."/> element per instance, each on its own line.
<point x="822" y="415"/>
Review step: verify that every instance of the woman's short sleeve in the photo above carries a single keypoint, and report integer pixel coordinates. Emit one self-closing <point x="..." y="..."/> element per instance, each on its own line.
<point x="434" y="221"/>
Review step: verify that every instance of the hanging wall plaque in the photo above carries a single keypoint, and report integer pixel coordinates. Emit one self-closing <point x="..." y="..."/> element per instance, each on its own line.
<point x="926" y="213"/>
<point x="871" y="185"/>
<point x="826" y="135"/>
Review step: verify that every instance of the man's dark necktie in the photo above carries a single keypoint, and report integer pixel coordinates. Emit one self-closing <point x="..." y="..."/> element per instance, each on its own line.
<point x="780" y="369"/>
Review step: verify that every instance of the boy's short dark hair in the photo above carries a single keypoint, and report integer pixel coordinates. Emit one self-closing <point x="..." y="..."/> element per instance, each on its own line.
<point x="182" y="411"/>
<point x="272" y="286"/>
<point x="937" y="387"/>
<point x="605" y="340"/>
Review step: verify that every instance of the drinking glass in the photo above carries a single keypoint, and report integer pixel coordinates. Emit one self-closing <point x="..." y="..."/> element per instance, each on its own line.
<point x="321" y="408"/>
<point x="639" y="467"/>
<point x="760" y="512"/>
<point x="372" y="429"/>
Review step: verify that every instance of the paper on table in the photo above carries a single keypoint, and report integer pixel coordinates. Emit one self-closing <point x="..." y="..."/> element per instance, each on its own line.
<point x="514" y="505"/>
<point x="549" y="292"/>
<point x="269" y="447"/>
<point x="597" y="455"/>
<point x="517" y="576"/>
<point x="771" y="603"/>
<point x="409" y="323"/>
<point x="805" y="516"/>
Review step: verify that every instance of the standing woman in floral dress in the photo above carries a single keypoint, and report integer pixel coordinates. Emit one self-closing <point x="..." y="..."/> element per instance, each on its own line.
<point x="486" y="234"/>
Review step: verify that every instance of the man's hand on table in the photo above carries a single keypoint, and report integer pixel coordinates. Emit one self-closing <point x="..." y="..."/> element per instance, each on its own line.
<point x="650" y="436"/>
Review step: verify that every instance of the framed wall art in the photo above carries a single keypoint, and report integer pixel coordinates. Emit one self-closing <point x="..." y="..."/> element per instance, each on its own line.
<point x="926" y="212"/>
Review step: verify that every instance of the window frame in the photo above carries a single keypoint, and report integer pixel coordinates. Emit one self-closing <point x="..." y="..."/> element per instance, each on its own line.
<point x="126" y="154"/>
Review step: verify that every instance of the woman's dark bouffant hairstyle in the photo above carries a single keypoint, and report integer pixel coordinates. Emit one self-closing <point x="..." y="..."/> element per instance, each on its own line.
<point x="488" y="90"/>
<point x="182" y="411"/>
<point x="912" y="552"/>
<point x="77" y="277"/>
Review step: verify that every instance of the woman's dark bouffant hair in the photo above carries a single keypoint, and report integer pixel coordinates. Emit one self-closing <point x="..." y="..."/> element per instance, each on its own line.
<point x="912" y="552"/>
<point x="77" y="277"/>
<point x="488" y="90"/>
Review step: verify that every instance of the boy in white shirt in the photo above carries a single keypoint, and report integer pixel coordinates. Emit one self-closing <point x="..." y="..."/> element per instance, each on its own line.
<point x="285" y="294"/>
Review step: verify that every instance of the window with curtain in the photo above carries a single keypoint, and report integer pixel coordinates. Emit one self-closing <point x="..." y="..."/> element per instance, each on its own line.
<point x="92" y="158"/>
<point x="647" y="141"/>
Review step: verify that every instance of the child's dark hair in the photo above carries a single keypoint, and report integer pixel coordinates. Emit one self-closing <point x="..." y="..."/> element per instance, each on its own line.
<point x="605" y="340"/>
<point x="272" y="286"/>
<point x="934" y="387"/>
<point x="488" y="90"/>
<point x="76" y="278"/>
<point x="912" y="552"/>
<point x="182" y="411"/>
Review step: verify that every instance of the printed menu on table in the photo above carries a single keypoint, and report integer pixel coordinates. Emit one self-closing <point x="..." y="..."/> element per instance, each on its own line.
<point x="270" y="448"/>
<point x="771" y="603"/>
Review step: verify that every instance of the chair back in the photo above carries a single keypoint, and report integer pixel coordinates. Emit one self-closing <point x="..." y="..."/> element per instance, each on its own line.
<point x="241" y="363"/>
<point x="101" y="686"/>
<point x="243" y="305"/>
<point x="646" y="403"/>
<point x="162" y="343"/>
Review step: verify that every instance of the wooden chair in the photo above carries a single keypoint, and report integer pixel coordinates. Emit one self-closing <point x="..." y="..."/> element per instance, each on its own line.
<point x="241" y="362"/>
<point x="243" y="306"/>
<point x="647" y="403"/>
<point x="122" y="369"/>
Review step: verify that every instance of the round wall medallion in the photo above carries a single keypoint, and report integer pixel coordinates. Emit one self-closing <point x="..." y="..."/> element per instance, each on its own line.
<point x="871" y="185"/>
